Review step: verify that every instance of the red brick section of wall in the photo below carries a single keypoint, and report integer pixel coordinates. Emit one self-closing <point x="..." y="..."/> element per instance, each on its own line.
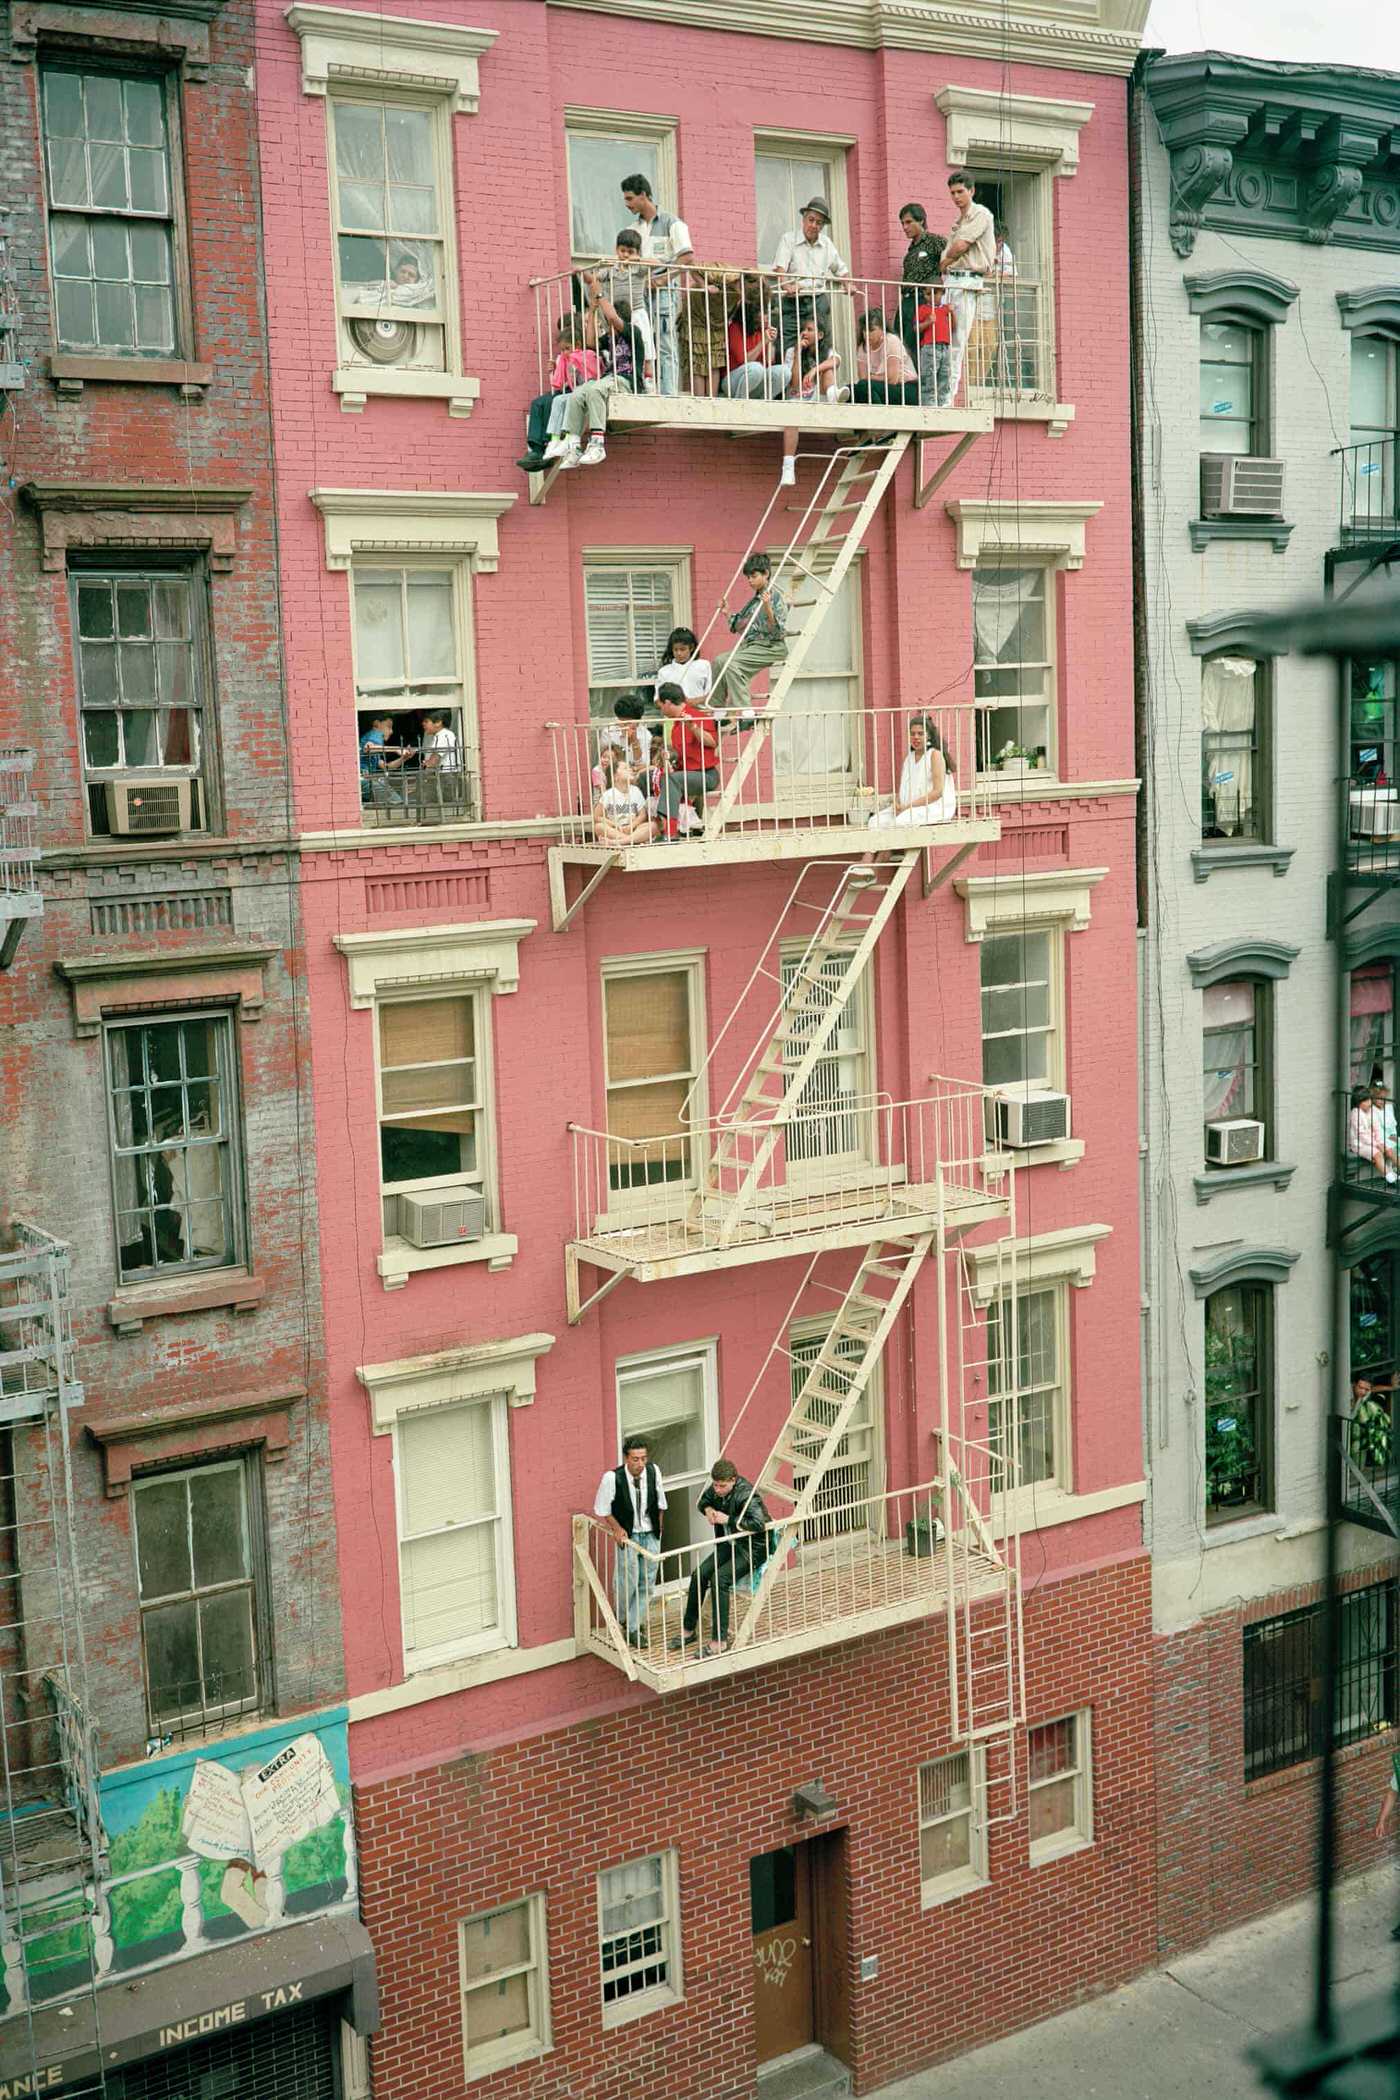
<point x="711" y="1773"/>
<point x="1228" y="1851"/>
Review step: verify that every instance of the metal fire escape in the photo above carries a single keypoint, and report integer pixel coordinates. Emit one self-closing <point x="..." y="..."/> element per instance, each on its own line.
<point x="20" y="898"/>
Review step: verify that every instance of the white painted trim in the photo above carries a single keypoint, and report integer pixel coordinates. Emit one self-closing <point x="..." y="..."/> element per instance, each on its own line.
<point x="1065" y="1256"/>
<point x="478" y="1371"/>
<point x="436" y="956"/>
<point x="356" y="383"/>
<point x="994" y="902"/>
<point x="503" y="2051"/>
<point x="356" y="44"/>
<point x="447" y="1678"/>
<point x="399" y="1260"/>
<point x="1029" y="131"/>
<point x="1042" y="1508"/>
<point x="1000" y="529"/>
<point x="411" y="521"/>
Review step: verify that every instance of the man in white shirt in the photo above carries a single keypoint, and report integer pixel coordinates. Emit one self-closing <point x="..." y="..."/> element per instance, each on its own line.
<point x="807" y="261"/>
<point x="629" y="1503"/>
<point x="440" y="766"/>
<point x="967" y="259"/>
<point x="666" y="240"/>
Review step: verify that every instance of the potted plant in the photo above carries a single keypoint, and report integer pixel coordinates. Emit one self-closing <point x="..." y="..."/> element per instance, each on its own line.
<point x="1371" y="1435"/>
<point x="1231" y="1458"/>
<point x="1015" y="758"/>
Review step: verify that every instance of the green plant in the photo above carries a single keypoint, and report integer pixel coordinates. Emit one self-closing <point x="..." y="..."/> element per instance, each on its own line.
<point x="1231" y="1453"/>
<point x="1011" y="751"/>
<point x="1371" y="1434"/>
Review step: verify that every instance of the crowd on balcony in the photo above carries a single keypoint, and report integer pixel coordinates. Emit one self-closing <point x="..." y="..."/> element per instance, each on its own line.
<point x="654" y="320"/>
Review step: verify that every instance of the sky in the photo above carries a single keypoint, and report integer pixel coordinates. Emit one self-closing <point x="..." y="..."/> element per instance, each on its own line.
<point x="1344" y="32"/>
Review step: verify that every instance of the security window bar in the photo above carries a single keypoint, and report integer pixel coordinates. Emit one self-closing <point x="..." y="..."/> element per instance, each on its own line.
<point x="637" y="1927"/>
<point x="108" y="161"/>
<point x="1239" y="1401"/>
<point x="1059" y="1786"/>
<point x="1234" y="1038"/>
<point x="1013" y="668"/>
<point x="503" y="1968"/>
<point x="952" y="1826"/>
<point x="1018" y="1009"/>
<point x="1024" y="1389"/>
<point x="1233" y="388"/>
<point x="1232" y="725"/>
<point x="140" y="677"/>
<point x="629" y="613"/>
<point x="417" y="761"/>
<point x="173" y="1113"/>
<point x="390" y="254"/>
<point x="1284" y="1704"/>
<point x="197" y="1563"/>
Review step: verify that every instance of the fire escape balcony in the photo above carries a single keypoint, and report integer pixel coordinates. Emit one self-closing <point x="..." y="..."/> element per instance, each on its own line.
<point x="1366" y="1465"/>
<point x="37" y="1362"/>
<point x="1370" y="501"/>
<point x="20" y="897"/>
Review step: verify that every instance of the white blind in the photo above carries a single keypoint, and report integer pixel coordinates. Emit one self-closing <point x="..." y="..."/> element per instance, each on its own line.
<point x="450" y="1521"/>
<point x="629" y="614"/>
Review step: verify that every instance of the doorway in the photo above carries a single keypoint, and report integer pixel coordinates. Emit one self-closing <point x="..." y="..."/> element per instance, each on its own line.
<point x="798" y="1919"/>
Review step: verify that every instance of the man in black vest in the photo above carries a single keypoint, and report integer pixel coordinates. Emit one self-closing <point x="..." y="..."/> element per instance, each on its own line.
<point x="735" y="1511"/>
<point x="630" y="1500"/>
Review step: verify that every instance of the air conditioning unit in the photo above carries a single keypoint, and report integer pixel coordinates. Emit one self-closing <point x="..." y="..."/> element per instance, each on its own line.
<point x="1235" y="486"/>
<point x="1375" y="813"/>
<point x="149" y="808"/>
<point x="1026" y="1116"/>
<point x="393" y="340"/>
<point x="432" y="1220"/>
<point x="1235" y="1142"/>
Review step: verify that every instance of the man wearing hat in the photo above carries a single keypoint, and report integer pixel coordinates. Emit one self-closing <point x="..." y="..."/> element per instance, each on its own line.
<point x="807" y="261"/>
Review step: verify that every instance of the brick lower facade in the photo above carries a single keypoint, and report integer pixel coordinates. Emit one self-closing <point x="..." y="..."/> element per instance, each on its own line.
<point x="711" y="1774"/>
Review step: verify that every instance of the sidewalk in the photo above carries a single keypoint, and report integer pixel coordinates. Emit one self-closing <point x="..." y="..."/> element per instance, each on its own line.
<point x="1179" y="2033"/>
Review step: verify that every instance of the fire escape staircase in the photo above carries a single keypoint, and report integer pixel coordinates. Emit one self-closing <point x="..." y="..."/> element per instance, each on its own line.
<point x="20" y="896"/>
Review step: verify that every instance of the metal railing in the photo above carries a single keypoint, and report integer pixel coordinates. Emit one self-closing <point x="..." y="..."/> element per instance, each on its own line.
<point x="19" y="834"/>
<point x="1373" y="821"/>
<point x="848" y="1158"/>
<point x="1368" y="1462"/>
<point x="841" y="770"/>
<point x="419" y="794"/>
<point x="1369" y="506"/>
<point x="37" y="1361"/>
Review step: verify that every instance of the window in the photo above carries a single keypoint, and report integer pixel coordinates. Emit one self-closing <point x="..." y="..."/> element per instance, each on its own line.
<point x="108" y="154"/>
<point x="816" y="742"/>
<point x="1010" y="347"/>
<point x="1234" y="391"/>
<point x="843" y="1498"/>
<point x="140" y="687"/>
<point x="1374" y="1300"/>
<point x="1013" y="652"/>
<point x="504" y="1970"/>
<point x="789" y="170"/>
<point x="1369" y="501"/>
<point x="603" y="146"/>
<point x="1373" y="740"/>
<point x="395" y="295"/>
<point x="639" y="1938"/>
<point x="1026" y="1388"/>
<point x="1234" y="1048"/>
<point x="431" y="1101"/>
<point x="1284" y="1710"/>
<point x="455" y="1571"/>
<point x="1060" y="1787"/>
<point x="671" y="1398"/>
<point x="175" y="1165"/>
<point x="831" y="1127"/>
<point x="952" y="1826"/>
<point x="630" y="611"/>
<point x="1232" y="732"/>
<point x="410" y="652"/>
<point x="1239" y="1401"/>
<point x="652" y="1026"/>
<point x="1021" y="1043"/>
<point x="197" y="1563"/>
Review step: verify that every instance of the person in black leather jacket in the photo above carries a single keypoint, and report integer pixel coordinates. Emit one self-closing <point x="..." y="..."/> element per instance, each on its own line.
<point x="735" y="1510"/>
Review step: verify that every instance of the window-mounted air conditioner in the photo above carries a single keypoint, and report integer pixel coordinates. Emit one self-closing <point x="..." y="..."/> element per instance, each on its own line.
<point x="442" y="1220"/>
<point x="1027" y="1116"/>
<point x="1375" y="813"/>
<point x="393" y="341"/>
<point x="1236" y="486"/>
<point x="1234" y="1142"/>
<point x="147" y="808"/>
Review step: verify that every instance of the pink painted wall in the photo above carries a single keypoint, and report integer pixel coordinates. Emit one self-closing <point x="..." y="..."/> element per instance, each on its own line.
<point x="704" y="493"/>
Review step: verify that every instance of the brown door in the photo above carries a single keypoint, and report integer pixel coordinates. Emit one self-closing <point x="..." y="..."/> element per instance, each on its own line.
<point x="831" y="1943"/>
<point x="780" y="1907"/>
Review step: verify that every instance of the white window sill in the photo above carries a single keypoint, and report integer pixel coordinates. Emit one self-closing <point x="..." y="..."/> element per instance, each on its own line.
<point x="629" y="2009"/>
<point x="1056" y="415"/>
<point x="932" y="1895"/>
<point x="1042" y="1508"/>
<point x="399" y="1261"/>
<point x="1060" y="1152"/>
<point x="1032" y="785"/>
<point x="1060" y="1846"/>
<point x="499" y="2056"/>
<point x="355" y="383"/>
<point x="1233" y="1531"/>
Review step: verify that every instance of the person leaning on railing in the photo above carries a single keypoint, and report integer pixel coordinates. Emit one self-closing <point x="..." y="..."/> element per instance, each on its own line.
<point x="630" y="1503"/>
<point x="808" y="262"/>
<point x="736" y="1513"/>
<point x="756" y="367"/>
<point x="631" y="359"/>
<point x="665" y="240"/>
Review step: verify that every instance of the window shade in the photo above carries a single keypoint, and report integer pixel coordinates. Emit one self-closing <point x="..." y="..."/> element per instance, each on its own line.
<point x="662" y="1399"/>
<point x="425" y="1031"/>
<point x="629" y="615"/>
<point x="447" y="1467"/>
<point x="648" y="1025"/>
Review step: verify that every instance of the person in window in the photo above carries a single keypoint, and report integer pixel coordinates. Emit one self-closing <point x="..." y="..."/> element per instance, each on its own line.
<point x="665" y="242"/>
<point x="736" y="1513"/>
<point x="630" y="1503"/>
<point x="761" y="624"/>
<point x="1380" y="1100"/>
<point x="574" y="364"/>
<point x="378" y="758"/>
<point x="1366" y="1139"/>
<point x="408" y="283"/>
<point x="928" y="793"/>
<point x="620" y="815"/>
<point x="755" y="368"/>
<point x="690" y="753"/>
<point x="885" y="370"/>
<point x="808" y="262"/>
<point x="682" y="665"/>
<point x="967" y="259"/>
<point x="439" y="764"/>
<point x="630" y="356"/>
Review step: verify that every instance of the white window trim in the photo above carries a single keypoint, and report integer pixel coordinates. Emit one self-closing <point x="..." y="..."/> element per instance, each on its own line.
<point x="677" y="559"/>
<point x="1025" y="532"/>
<point x="1081" y="1835"/>
<point x="623" y="123"/>
<point x="815" y="1328"/>
<point x="504" y="1633"/>
<point x="622" y="2013"/>
<point x="458" y="572"/>
<point x="1056" y="1057"/>
<point x="1015" y="131"/>
<point x="626" y="1203"/>
<point x="439" y="522"/>
<point x="1026" y="1498"/>
<point x="1022" y="903"/>
<point x="1066" y="1256"/>
<point x="513" y="2049"/>
<point x="946" y="1888"/>
<point x="815" y="145"/>
<point x="648" y="1361"/>
<point x="809" y="1176"/>
<point x="1042" y="780"/>
<point x="474" y="1372"/>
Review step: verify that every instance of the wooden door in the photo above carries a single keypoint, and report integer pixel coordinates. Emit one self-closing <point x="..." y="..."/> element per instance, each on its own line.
<point x="831" y="1942"/>
<point x="780" y="1907"/>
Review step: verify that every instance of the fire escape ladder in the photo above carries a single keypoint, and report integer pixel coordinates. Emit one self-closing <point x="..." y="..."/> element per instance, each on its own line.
<point x="812" y="1000"/>
<point x="829" y="533"/>
<point x="20" y="896"/>
<point x="811" y="1438"/>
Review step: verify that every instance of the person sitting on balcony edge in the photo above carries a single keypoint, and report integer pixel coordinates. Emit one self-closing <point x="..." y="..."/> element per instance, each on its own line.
<point x="691" y="747"/>
<point x="1366" y="1135"/>
<point x="664" y="239"/>
<point x="885" y="370"/>
<point x="928" y="793"/>
<point x="681" y="665"/>
<point x="620" y="815"/>
<point x="967" y="258"/>
<point x="574" y="363"/>
<point x="807" y="261"/>
<point x="735" y="1510"/>
<point x="761" y="624"/>
<point x="812" y="368"/>
<point x="630" y="1501"/>
<point x="1380" y="1096"/>
<point x="756" y="368"/>
<point x="630" y="355"/>
<point x="626" y="736"/>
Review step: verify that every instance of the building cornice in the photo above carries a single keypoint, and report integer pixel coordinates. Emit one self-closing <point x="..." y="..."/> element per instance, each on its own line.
<point x="1022" y="130"/>
<point x="354" y="43"/>
<point x="1243" y="1265"/>
<point x="1373" y="308"/>
<point x="1249" y="956"/>
<point x="1253" y="293"/>
<point x="1227" y="630"/>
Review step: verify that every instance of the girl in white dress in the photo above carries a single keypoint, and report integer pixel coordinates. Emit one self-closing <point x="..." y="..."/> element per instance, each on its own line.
<point x="928" y="793"/>
<point x="620" y="814"/>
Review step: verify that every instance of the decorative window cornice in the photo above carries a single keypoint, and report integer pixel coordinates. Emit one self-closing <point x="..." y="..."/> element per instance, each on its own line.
<point x="1378" y="1235"/>
<point x="477" y="1372"/>
<point x="1019" y="130"/>
<point x="172" y="28"/>
<point x="93" y="514"/>
<point x="232" y="1421"/>
<point x="1243" y="1265"/>
<point x="1374" y="309"/>
<point x="1006" y="530"/>
<point x="1249" y="956"/>
<point x="1066" y="1256"/>
<point x="162" y="978"/>
<point x="411" y="521"/>
<point x="358" y="45"/>
<point x="992" y="903"/>
<point x="434" y="956"/>
<point x="1233" y="631"/>
<point x="1251" y="294"/>
<point x="1373" y="944"/>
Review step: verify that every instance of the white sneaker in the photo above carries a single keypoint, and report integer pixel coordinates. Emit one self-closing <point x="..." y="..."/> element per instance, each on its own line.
<point x="595" y="453"/>
<point x="556" y="448"/>
<point x="571" y="456"/>
<point x="788" y="478"/>
<point x="833" y="395"/>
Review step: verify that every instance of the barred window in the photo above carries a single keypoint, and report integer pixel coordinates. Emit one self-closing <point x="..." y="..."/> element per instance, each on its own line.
<point x="952" y="1825"/>
<point x="1284" y="1707"/>
<point x="639" y="1939"/>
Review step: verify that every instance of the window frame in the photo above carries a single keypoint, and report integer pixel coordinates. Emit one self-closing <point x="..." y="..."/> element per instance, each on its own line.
<point x="229" y="1055"/>
<point x="691" y="963"/>
<point x="627" y="127"/>
<point x="1261" y="753"/>
<point x="184" y="1725"/>
<point x="831" y="1169"/>
<point x="622" y="2012"/>
<point x="458" y="568"/>
<point x="801" y="1335"/>
<point x="1258" y="1301"/>
<point x="835" y="149"/>
<point x="645" y="1363"/>
<point x="1080" y="1834"/>
<point x="1060" y="1480"/>
<point x="1057" y="1055"/>
<point x="1261" y="1065"/>
<point x="1261" y="369"/>
<point x="959" y="1881"/>
<point x="1025" y="168"/>
<point x="1002" y="703"/>
<point x="815" y="794"/>
<point x="678" y="562"/>
<point x="504" y="1635"/>
<point x="146" y="565"/>
<point x="138" y="66"/>
<point x="1308" y="1729"/>
<point x="500" y="2054"/>
<point x="484" y="1177"/>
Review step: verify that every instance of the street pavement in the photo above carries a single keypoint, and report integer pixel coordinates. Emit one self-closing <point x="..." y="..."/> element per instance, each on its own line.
<point x="1180" y="2033"/>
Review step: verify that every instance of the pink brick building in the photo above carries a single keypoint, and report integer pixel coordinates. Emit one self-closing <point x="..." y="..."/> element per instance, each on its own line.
<point x="789" y="1140"/>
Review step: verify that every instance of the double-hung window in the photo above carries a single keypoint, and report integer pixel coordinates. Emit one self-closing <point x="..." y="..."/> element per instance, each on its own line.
<point x="1021" y="1040"/>
<point x="1235" y="1068"/>
<point x="394" y="291"/>
<point x="1233" y="731"/>
<point x="503" y="1964"/>
<point x="952" y="1825"/>
<point x="1369" y="495"/>
<point x="199" y="1564"/>
<point x="1027" y="1398"/>
<point x="639" y="1950"/>
<point x="670" y="1397"/>
<point x="844" y="1500"/>
<point x="1239" y="1401"/>
<point x="416" y="744"/>
<point x="1234" y="387"/>
<point x="1060" y="1787"/>
<point x="601" y="148"/>
<point x="830" y="1132"/>
<point x="456" y="1568"/>
<point x="110" y="159"/>
<point x="1013" y="657"/>
<point x="433" y="1139"/>
<point x="175" y="1150"/>
<point x="652" y="1024"/>
<point x="629" y="610"/>
<point x="1011" y="344"/>
<point x="141" y="687"/>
